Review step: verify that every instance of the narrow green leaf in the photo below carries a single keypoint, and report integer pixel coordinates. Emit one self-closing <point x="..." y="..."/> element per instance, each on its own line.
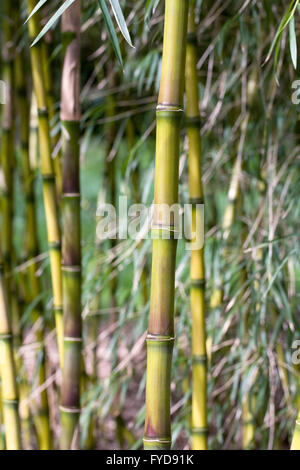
<point x="36" y="8"/>
<point x="111" y="30"/>
<point x="120" y="20"/>
<point x="52" y="20"/>
<point x="293" y="42"/>
<point x="284" y="22"/>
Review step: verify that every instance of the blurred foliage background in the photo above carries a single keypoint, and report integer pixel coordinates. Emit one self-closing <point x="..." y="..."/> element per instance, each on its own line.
<point x="250" y="142"/>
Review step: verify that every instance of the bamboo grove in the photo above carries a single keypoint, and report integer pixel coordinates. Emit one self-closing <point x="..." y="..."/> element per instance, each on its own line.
<point x="149" y="234"/>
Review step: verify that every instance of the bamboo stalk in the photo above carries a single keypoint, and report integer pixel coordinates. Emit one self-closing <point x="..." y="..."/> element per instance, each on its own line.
<point x="10" y="400"/>
<point x="49" y="189"/>
<point x="197" y="291"/>
<point x="7" y="362"/>
<point x="7" y="147"/>
<point x="31" y="251"/>
<point x="160" y="338"/>
<point x="51" y="107"/>
<point x="71" y="249"/>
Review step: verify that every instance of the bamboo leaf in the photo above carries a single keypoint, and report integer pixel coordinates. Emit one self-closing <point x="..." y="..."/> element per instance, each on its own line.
<point x="52" y="20"/>
<point x="36" y="8"/>
<point x="284" y="22"/>
<point x="111" y="30"/>
<point x="121" y="20"/>
<point x="293" y="42"/>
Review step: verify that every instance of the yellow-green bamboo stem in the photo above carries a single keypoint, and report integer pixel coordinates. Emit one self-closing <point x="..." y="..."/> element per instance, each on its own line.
<point x="51" y="107"/>
<point x="160" y="338"/>
<point x="248" y="427"/>
<point x="199" y="413"/>
<point x="32" y="250"/>
<point x="49" y="189"/>
<point x="7" y="147"/>
<point x="10" y="399"/>
<point x="71" y="249"/>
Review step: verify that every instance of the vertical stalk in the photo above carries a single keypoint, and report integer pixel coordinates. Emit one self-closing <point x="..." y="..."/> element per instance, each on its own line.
<point x="71" y="249"/>
<point x="49" y="190"/>
<point x="10" y="401"/>
<point x="7" y="364"/>
<point x="7" y="147"/>
<point x="197" y="292"/>
<point x="160" y="338"/>
<point x="51" y="107"/>
<point x="31" y="251"/>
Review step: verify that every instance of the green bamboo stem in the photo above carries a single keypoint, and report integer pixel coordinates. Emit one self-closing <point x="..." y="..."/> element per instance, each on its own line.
<point x="49" y="188"/>
<point x="31" y="251"/>
<point x="71" y="249"/>
<point x="10" y="400"/>
<point x="160" y="338"/>
<point x="51" y="107"/>
<point x="197" y="291"/>
<point x="7" y="147"/>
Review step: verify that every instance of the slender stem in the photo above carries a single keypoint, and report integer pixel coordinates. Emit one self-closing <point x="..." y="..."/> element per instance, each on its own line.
<point x="7" y="362"/>
<point x="199" y="412"/>
<point x="10" y="399"/>
<point x="160" y="337"/>
<point x="49" y="189"/>
<point x="71" y="236"/>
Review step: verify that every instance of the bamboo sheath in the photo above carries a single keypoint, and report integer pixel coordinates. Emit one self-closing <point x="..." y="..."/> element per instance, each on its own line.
<point x="71" y="249"/>
<point x="197" y="292"/>
<point x="160" y="338"/>
<point x="49" y="187"/>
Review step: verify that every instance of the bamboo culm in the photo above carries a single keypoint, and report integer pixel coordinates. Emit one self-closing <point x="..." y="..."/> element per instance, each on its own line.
<point x="49" y="186"/>
<point x="10" y="399"/>
<point x="160" y="338"/>
<point x="71" y="249"/>
<point x="197" y="292"/>
<point x="9" y="393"/>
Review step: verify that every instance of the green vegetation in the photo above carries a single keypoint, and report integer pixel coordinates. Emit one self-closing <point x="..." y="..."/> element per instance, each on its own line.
<point x="130" y="334"/>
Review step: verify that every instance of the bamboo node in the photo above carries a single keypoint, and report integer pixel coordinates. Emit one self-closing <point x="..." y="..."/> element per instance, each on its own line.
<point x="48" y="177"/>
<point x="196" y="200"/>
<point x="66" y="409"/>
<point x="71" y="269"/>
<point x="72" y="339"/>
<point x="199" y="359"/>
<point x="71" y="195"/>
<point x="193" y="121"/>
<point x="201" y="431"/>
<point x="43" y="112"/>
<point x="5" y="336"/>
<point x="192" y="38"/>
<point x="161" y="440"/>
<point x="54" y="246"/>
<point x="160" y="231"/>
<point x="8" y="402"/>
<point x="159" y="338"/>
<point x="198" y="282"/>
<point x="169" y="108"/>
